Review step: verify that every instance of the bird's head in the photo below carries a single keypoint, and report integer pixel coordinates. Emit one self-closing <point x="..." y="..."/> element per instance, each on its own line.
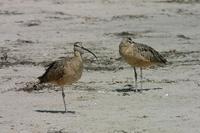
<point x="78" y="48"/>
<point x="126" y="42"/>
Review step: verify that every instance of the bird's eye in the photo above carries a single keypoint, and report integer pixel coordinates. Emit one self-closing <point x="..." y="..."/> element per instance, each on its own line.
<point x="129" y="40"/>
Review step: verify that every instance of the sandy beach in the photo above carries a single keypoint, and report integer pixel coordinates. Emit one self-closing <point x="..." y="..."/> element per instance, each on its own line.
<point x="34" y="33"/>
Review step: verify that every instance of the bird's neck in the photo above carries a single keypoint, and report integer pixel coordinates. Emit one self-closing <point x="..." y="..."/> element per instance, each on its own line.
<point x="77" y="62"/>
<point x="126" y="51"/>
<point x="78" y="55"/>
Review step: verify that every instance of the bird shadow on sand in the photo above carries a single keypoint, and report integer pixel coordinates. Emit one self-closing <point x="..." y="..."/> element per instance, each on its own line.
<point x="130" y="88"/>
<point x="55" y="111"/>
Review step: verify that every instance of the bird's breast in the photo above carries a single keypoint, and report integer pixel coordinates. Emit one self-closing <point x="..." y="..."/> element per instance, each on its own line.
<point x="134" y="58"/>
<point x="72" y="73"/>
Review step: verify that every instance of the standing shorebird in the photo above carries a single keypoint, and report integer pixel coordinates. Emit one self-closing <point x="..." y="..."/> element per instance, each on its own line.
<point x="66" y="71"/>
<point x="139" y="55"/>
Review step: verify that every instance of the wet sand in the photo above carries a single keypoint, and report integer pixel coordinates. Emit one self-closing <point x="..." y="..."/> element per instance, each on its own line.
<point x="33" y="33"/>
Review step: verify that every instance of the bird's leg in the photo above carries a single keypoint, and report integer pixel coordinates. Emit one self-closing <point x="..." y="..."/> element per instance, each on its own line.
<point x="141" y="77"/>
<point x="135" y="72"/>
<point x="63" y="95"/>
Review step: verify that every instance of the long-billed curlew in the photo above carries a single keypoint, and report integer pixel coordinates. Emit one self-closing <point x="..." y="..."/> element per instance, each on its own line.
<point x="139" y="55"/>
<point x="65" y="71"/>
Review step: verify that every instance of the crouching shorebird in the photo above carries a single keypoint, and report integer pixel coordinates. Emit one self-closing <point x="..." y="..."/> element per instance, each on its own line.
<point x="139" y="55"/>
<point x="65" y="71"/>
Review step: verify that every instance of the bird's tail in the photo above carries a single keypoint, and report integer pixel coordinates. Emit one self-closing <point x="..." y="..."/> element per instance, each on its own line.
<point x="163" y="60"/>
<point x="41" y="79"/>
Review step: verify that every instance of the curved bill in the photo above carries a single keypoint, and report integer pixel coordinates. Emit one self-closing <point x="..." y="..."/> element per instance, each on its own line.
<point x="89" y="51"/>
<point x="79" y="44"/>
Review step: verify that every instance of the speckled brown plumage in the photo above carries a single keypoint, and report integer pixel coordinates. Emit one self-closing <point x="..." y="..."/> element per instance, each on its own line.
<point x="139" y="55"/>
<point x="65" y="71"/>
